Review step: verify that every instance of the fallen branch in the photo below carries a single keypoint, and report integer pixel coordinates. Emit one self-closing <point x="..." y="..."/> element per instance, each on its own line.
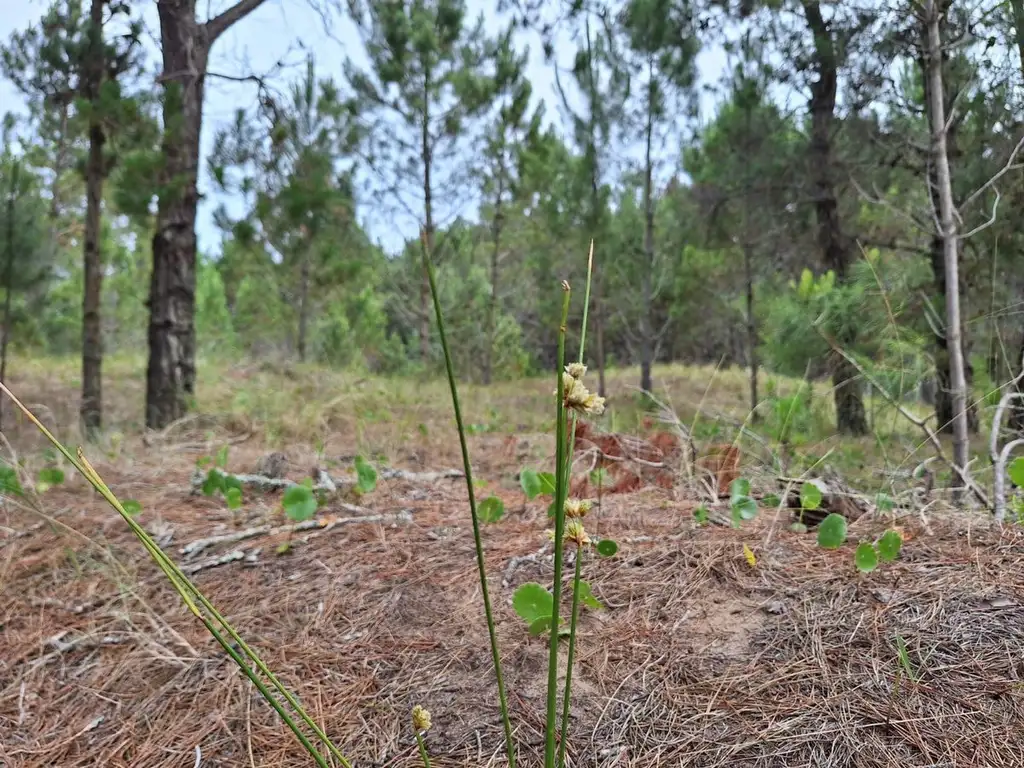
<point x="323" y="481"/>
<point x="999" y="458"/>
<point x="323" y="524"/>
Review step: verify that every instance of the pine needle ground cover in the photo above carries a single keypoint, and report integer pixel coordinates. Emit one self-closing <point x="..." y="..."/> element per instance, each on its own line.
<point x="697" y="657"/>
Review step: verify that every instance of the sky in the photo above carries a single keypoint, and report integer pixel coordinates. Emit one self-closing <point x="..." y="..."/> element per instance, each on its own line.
<point x="286" y="30"/>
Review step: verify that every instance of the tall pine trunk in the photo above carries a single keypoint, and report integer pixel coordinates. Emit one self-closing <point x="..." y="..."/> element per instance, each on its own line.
<point x="492" y="304"/>
<point x="91" y="407"/>
<point x="15" y="173"/>
<point x="944" y="385"/>
<point x="304" y="270"/>
<point x="752" y="361"/>
<point x="850" y="415"/>
<point x="646" y="277"/>
<point x="951" y="251"/>
<point x="185" y="45"/>
<point x="426" y="155"/>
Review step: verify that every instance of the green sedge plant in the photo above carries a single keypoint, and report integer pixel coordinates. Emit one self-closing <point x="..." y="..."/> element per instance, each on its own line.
<point x="538" y="606"/>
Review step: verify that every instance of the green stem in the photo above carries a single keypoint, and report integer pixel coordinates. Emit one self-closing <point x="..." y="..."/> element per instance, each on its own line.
<point x="193" y="598"/>
<point x="586" y="299"/>
<point x="569" y="660"/>
<point x="423" y="750"/>
<point x="477" y="540"/>
<point x="560" y="494"/>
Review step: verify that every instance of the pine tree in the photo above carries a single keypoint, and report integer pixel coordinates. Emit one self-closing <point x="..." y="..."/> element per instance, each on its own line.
<point x="185" y="46"/>
<point x="289" y="163"/>
<point x="510" y="131"/>
<point x="662" y="39"/>
<point x="424" y="86"/>
<point x="72" y="60"/>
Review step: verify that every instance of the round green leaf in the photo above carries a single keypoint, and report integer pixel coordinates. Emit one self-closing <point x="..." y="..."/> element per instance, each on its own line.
<point x="889" y="545"/>
<point x="131" y="506"/>
<point x="832" y="531"/>
<point x="540" y="626"/>
<point x="532" y="601"/>
<point x="607" y="548"/>
<point x="798" y="527"/>
<point x="299" y="503"/>
<point x="700" y="514"/>
<point x="771" y="500"/>
<point x="810" y="496"/>
<point x="744" y="507"/>
<point x="491" y="509"/>
<point x="530" y="483"/>
<point x="739" y="488"/>
<point x="233" y="497"/>
<point x="547" y="483"/>
<point x="884" y="502"/>
<point x="1016" y="471"/>
<point x="866" y="557"/>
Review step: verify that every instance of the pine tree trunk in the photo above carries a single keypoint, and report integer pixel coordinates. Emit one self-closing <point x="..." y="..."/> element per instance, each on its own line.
<point x="8" y="276"/>
<point x="646" y="278"/>
<point x="850" y="416"/>
<point x="91" y="407"/>
<point x="303" y="306"/>
<point x="944" y="408"/>
<point x="185" y="45"/>
<point x="492" y="304"/>
<point x="752" y="361"/>
<point x="958" y="382"/>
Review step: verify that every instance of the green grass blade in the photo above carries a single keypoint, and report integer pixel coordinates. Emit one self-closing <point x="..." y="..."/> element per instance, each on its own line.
<point x="560" y="495"/>
<point x="477" y="540"/>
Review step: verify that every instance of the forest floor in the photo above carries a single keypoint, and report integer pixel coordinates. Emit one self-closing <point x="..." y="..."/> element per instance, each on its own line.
<point x="697" y="659"/>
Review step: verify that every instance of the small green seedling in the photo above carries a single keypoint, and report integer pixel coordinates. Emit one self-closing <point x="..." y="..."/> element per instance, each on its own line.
<point x="299" y="505"/>
<point x="491" y="509"/>
<point x="48" y="478"/>
<point x="741" y="504"/>
<point x="366" y="476"/>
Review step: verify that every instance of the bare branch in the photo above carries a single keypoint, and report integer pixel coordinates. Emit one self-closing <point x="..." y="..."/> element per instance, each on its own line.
<point x="219" y="24"/>
<point x="1009" y="166"/>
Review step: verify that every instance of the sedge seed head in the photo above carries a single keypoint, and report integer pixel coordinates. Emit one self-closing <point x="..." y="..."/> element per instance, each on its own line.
<point x="420" y="719"/>
<point x="576" y="370"/>
<point x="575" y="533"/>
<point x="577" y="508"/>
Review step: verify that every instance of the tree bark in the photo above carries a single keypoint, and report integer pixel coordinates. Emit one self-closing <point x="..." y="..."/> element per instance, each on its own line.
<point x="646" y="279"/>
<point x="428" y="228"/>
<point x="850" y="416"/>
<point x="303" y="305"/>
<point x="492" y="305"/>
<point x="752" y="361"/>
<point x="944" y="407"/>
<point x="15" y="172"/>
<point x="185" y="44"/>
<point x="91" y="407"/>
<point x="958" y="383"/>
